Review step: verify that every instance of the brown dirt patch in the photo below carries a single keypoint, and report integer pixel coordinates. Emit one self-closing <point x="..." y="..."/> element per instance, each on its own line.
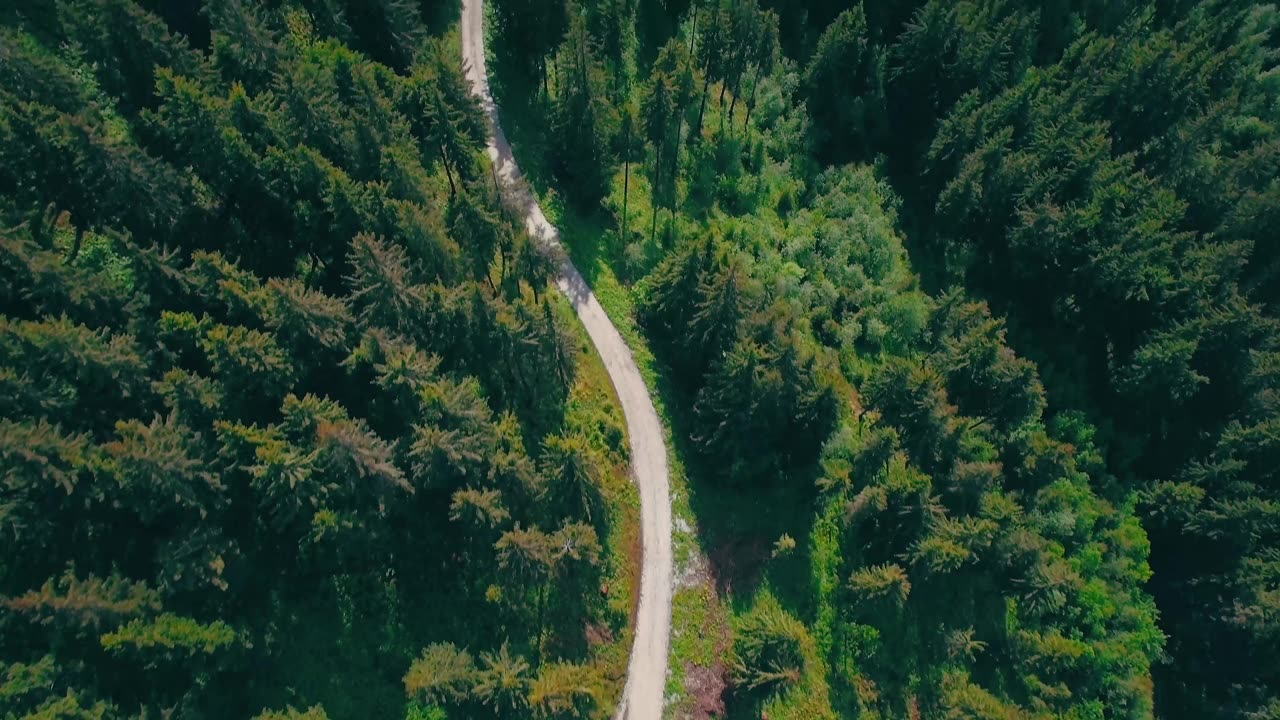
<point x="598" y="634"/>
<point x="706" y="688"/>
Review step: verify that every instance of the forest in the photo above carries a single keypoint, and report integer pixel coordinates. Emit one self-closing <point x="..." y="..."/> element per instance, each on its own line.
<point x="960" y="314"/>
<point x="291" y="424"/>
<point x="963" y="317"/>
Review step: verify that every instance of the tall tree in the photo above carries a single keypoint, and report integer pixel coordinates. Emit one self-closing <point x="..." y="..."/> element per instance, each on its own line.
<point x="845" y="88"/>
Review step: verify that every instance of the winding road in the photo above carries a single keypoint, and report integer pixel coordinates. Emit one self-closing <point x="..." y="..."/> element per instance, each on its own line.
<point x="642" y="697"/>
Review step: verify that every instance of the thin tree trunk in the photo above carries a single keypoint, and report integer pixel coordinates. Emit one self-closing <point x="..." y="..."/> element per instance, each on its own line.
<point x="75" y="246"/>
<point x="751" y="101"/>
<point x="657" y="172"/>
<point x="44" y="225"/>
<point x="557" y="347"/>
<point x="702" y="107"/>
<point x="675" y="156"/>
<point x="720" y="103"/>
<point x="626" y="189"/>
<point x="444" y="160"/>
<point x="653" y="227"/>
<point x="542" y="602"/>
<point x="737" y="85"/>
<point x="693" y="32"/>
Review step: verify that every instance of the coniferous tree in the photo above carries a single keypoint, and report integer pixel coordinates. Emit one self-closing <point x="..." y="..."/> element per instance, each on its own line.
<point x="847" y="113"/>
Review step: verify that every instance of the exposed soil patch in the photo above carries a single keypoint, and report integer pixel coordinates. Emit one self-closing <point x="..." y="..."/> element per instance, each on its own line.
<point x="598" y="634"/>
<point x="706" y="688"/>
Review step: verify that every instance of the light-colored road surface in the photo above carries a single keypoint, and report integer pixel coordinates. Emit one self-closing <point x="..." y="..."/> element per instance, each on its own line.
<point x="642" y="699"/>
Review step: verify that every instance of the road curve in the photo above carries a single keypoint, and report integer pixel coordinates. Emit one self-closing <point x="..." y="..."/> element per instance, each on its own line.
<point x="642" y="697"/>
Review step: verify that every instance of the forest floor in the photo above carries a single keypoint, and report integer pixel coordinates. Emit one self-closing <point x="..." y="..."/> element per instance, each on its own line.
<point x="646" y="677"/>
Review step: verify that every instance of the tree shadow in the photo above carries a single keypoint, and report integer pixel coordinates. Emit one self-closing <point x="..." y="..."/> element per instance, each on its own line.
<point x="738" y="524"/>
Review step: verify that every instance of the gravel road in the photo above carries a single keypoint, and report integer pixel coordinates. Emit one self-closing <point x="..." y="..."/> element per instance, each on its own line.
<point x="642" y="698"/>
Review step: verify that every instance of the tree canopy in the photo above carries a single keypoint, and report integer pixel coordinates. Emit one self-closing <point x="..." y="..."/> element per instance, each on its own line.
<point x="280" y="380"/>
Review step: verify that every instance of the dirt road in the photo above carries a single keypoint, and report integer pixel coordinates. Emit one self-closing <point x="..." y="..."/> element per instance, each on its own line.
<point x="646" y="674"/>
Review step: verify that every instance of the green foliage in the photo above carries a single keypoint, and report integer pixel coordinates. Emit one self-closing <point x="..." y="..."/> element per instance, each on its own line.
<point x="314" y="712"/>
<point x="1080" y="164"/>
<point x="886" y="582"/>
<point x="169" y="638"/>
<point x="845" y="88"/>
<point x="443" y="674"/>
<point x="564" y="690"/>
<point x="769" y="648"/>
<point x="584" y="120"/>
<point x="276" y="374"/>
<point x="74" y="605"/>
<point x="803" y="345"/>
<point x="501" y="682"/>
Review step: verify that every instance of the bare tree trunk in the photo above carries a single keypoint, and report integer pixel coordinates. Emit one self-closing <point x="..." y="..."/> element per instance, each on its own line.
<point x="43" y="226"/>
<point x="75" y="247"/>
<point x="702" y="107"/>
<point x="502" y="266"/>
<point x="737" y="85"/>
<point x="723" y="87"/>
<point x="751" y="101"/>
<point x="657" y="172"/>
<point x="542" y="602"/>
<point x="626" y="189"/>
<point x="675" y="156"/>
<point x="444" y="160"/>
<point x="693" y="31"/>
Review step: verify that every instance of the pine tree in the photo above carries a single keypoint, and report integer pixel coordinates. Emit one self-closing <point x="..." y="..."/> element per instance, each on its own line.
<point x="843" y="109"/>
<point x="383" y="291"/>
<point x="584" y="120"/>
<point x="78" y="607"/>
<point x="442" y="675"/>
<point x="501" y="682"/>
<point x="244" y="47"/>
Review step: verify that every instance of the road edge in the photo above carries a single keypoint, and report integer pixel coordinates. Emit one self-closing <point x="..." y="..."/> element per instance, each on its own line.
<point x="643" y="694"/>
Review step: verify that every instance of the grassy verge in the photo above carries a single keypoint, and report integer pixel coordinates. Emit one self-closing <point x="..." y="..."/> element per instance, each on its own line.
<point x="593" y="410"/>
